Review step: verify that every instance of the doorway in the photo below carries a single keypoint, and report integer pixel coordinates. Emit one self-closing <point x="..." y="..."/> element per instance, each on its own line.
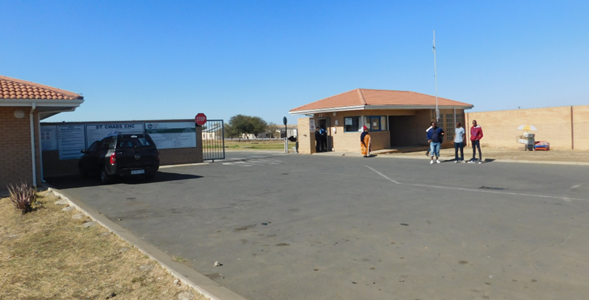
<point x="402" y="133"/>
<point x="325" y="124"/>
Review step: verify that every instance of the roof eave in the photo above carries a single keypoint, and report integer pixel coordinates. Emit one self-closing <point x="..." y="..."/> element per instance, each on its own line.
<point x="41" y="102"/>
<point x="377" y="107"/>
<point x="45" y="107"/>
<point x="405" y="107"/>
<point x="324" y="110"/>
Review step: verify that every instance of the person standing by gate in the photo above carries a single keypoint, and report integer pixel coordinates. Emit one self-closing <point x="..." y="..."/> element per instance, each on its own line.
<point x="435" y="137"/>
<point x="317" y="140"/>
<point x="365" y="142"/>
<point x="323" y="134"/>
<point x="476" y="134"/>
<point x="459" y="141"/>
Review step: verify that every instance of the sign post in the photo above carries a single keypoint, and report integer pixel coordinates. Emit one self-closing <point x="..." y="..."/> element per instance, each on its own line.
<point x="285" y="135"/>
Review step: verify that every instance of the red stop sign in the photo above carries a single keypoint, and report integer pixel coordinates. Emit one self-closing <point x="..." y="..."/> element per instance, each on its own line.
<point x="200" y="119"/>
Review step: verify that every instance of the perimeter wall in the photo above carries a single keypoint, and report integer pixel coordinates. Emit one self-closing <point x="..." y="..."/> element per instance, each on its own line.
<point x="54" y="166"/>
<point x="564" y="127"/>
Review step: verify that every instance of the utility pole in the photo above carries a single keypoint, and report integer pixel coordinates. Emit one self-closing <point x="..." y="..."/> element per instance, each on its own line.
<point x="436" y="80"/>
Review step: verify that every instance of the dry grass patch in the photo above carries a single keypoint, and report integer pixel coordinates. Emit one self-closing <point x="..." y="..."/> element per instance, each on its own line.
<point x="46" y="254"/>
<point x="257" y="145"/>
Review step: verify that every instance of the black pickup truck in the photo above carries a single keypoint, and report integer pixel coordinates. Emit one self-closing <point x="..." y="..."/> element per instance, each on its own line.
<point x="121" y="155"/>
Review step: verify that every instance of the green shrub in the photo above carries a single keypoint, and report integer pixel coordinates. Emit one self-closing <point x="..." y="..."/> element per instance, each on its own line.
<point x="22" y="196"/>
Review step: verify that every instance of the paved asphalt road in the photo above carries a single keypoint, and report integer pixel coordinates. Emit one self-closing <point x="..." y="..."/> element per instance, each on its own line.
<point x="321" y="227"/>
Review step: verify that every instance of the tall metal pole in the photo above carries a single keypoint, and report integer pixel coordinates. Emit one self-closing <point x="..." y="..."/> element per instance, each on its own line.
<point x="436" y="80"/>
<point x="285" y="135"/>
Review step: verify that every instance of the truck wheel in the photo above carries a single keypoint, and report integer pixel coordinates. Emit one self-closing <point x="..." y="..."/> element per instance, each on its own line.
<point x="104" y="177"/>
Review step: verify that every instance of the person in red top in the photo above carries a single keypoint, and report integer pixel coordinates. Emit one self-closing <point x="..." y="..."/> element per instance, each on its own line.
<point x="476" y="134"/>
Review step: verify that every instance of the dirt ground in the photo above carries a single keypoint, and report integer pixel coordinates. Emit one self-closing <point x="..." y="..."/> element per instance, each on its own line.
<point x="512" y="154"/>
<point x="46" y="254"/>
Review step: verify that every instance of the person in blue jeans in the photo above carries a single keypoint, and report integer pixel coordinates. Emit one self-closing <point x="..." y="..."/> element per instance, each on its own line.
<point x="459" y="142"/>
<point x="435" y="138"/>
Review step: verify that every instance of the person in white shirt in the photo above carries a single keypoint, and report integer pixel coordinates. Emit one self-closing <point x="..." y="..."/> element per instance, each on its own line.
<point x="459" y="142"/>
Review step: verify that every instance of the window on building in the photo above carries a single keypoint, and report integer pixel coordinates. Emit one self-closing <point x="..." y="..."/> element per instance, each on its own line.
<point x="460" y="118"/>
<point x="450" y="125"/>
<point x="351" y="124"/>
<point x="376" y="123"/>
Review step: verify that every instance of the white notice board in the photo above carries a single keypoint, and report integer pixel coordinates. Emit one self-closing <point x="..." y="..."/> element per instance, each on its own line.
<point x="171" y="135"/>
<point x="312" y="125"/>
<point x="49" y="138"/>
<point x="96" y="132"/>
<point x="70" y="141"/>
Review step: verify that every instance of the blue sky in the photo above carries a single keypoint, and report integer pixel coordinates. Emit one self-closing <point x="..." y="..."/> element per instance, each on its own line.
<point x="174" y="59"/>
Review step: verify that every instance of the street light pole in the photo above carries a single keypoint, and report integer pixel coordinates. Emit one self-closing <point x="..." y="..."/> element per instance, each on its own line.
<point x="436" y="80"/>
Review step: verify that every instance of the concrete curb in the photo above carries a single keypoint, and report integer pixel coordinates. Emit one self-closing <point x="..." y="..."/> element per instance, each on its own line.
<point x="185" y="274"/>
<point x="354" y="154"/>
<point x="499" y="160"/>
<point x="185" y="165"/>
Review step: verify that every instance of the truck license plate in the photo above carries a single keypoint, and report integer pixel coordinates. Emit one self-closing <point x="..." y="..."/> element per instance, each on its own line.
<point x="135" y="172"/>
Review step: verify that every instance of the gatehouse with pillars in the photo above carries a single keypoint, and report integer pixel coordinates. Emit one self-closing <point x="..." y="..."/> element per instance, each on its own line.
<point x="396" y="119"/>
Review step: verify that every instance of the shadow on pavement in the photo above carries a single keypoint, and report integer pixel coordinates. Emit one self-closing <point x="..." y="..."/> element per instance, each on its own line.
<point x="74" y="181"/>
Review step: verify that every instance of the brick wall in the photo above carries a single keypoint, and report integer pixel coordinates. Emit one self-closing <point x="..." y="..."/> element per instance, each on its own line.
<point x="563" y="127"/>
<point x="410" y="130"/>
<point x="15" y="149"/>
<point x="306" y="138"/>
<point x="581" y="127"/>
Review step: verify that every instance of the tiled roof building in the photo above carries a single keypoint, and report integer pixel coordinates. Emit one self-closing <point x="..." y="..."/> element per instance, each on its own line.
<point x="395" y="119"/>
<point x="11" y="88"/>
<point x="22" y="105"/>
<point x="377" y="99"/>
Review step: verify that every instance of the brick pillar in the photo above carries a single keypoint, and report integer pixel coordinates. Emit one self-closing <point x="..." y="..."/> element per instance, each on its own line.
<point x="15" y="134"/>
<point x="199" y="155"/>
<point x="306" y="137"/>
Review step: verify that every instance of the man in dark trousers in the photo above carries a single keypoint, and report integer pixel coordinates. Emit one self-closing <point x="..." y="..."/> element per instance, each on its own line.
<point x="317" y="140"/>
<point x="323" y="134"/>
<point x="476" y="134"/>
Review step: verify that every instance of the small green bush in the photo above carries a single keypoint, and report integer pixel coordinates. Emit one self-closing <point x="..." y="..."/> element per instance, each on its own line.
<point x="22" y="196"/>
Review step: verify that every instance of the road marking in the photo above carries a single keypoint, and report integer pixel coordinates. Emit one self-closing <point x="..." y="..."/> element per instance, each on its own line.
<point x="566" y="199"/>
<point x="252" y="162"/>
<point x="383" y="175"/>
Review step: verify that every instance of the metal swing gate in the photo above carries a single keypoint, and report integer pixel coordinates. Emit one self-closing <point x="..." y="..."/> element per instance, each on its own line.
<point x="213" y="140"/>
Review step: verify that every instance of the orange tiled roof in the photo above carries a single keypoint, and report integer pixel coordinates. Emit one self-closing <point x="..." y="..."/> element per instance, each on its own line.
<point x="11" y="88"/>
<point x="368" y="97"/>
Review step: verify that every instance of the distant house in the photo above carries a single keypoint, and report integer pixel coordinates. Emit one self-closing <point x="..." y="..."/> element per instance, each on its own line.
<point x="291" y="130"/>
<point x="395" y="119"/>
<point x="22" y="105"/>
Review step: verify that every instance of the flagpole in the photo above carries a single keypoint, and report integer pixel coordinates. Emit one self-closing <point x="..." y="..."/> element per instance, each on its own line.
<point x="436" y="80"/>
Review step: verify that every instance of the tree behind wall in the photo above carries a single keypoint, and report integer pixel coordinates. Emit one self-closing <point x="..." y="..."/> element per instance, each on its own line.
<point x="240" y="124"/>
<point x="272" y="130"/>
